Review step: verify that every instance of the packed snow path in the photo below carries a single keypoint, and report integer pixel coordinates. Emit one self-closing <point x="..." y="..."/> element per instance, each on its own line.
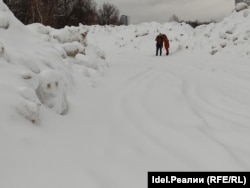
<point x="182" y="112"/>
<point x="175" y="112"/>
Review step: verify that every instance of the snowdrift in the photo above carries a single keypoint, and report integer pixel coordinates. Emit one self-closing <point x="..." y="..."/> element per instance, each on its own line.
<point x="229" y="35"/>
<point x="37" y="66"/>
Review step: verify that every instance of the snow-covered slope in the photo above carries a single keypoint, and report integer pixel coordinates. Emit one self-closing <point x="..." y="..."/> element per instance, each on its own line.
<point x="37" y="66"/>
<point x="93" y="106"/>
<point x="232" y="34"/>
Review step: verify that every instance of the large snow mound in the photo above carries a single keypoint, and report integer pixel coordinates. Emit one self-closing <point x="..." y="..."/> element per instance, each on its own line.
<point x="37" y="66"/>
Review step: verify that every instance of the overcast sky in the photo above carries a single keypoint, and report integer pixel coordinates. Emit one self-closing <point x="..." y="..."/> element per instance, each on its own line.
<point x="161" y="10"/>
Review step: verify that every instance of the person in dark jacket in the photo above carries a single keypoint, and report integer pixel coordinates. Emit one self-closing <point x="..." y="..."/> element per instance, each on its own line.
<point x="159" y="44"/>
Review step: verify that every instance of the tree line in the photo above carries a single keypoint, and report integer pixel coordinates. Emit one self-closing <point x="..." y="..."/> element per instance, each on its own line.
<point x="193" y="24"/>
<point x="59" y="13"/>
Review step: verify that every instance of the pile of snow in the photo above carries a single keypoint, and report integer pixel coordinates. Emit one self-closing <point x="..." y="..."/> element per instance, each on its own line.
<point x="37" y="66"/>
<point x="229" y="35"/>
<point x="241" y="6"/>
<point x="232" y="35"/>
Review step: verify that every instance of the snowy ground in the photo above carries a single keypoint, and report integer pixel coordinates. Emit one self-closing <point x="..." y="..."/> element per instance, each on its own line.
<point x="107" y="122"/>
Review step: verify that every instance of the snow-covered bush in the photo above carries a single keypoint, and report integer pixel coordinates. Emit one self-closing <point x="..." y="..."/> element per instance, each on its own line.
<point x="3" y="53"/>
<point x="81" y="59"/>
<point x="4" y="20"/>
<point x="31" y="79"/>
<point x="241" y="6"/>
<point x="29" y="110"/>
<point x="29" y="106"/>
<point x="73" y="48"/>
<point x="213" y="52"/>
<point x="61" y="50"/>
<point x="223" y="44"/>
<point x="83" y="38"/>
<point x="39" y="28"/>
<point x="70" y="34"/>
<point x="52" y="91"/>
<point x="141" y="34"/>
<point x="230" y="31"/>
<point x="94" y="51"/>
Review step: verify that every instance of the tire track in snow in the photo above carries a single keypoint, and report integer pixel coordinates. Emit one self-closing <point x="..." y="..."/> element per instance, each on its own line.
<point x="210" y="128"/>
<point x="205" y="109"/>
<point x="190" y="91"/>
<point x="130" y="106"/>
<point x="165" y="109"/>
<point x="134" y="110"/>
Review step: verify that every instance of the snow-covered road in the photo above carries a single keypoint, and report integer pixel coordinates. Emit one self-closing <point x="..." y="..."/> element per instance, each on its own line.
<point x="182" y="112"/>
<point x="197" y="110"/>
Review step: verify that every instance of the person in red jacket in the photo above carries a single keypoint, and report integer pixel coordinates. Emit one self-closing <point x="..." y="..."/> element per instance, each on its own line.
<point x="166" y="43"/>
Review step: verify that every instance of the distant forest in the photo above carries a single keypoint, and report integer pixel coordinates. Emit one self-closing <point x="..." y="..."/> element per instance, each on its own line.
<point x="193" y="24"/>
<point x="197" y="23"/>
<point x="59" y="13"/>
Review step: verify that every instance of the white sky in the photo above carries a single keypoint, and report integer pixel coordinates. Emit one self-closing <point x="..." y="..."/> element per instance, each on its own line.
<point x="162" y="10"/>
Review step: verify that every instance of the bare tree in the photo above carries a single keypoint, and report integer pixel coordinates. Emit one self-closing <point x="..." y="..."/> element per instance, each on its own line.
<point x="43" y="11"/>
<point x="30" y="11"/>
<point x="174" y="18"/>
<point x="63" y="12"/>
<point x="84" y="11"/>
<point x="108" y="14"/>
<point x="59" y="13"/>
